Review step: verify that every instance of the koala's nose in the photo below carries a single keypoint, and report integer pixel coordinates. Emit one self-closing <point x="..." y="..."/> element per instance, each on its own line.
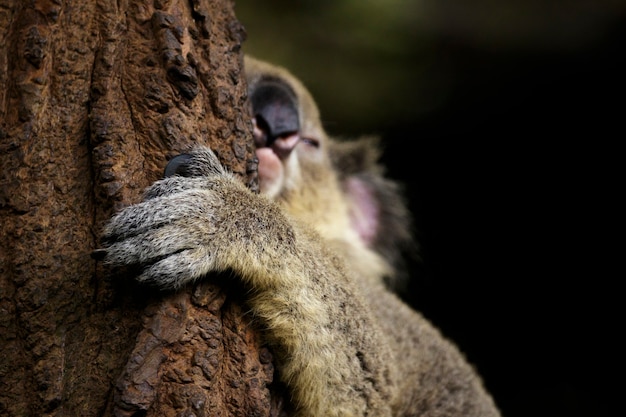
<point x="282" y="144"/>
<point x="276" y="118"/>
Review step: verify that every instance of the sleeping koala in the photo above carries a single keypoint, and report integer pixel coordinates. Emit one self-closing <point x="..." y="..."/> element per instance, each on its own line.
<point x="317" y="249"/>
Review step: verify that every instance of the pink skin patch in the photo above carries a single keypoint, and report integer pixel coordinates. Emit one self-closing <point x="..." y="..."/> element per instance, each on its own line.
<point x="270" y="168"/>
<point x="284" y="145"/>
<point x="364" y="211"/>
<point x="271" y="158"/>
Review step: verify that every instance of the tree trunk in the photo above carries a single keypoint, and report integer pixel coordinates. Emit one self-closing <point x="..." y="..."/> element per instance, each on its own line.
<point x="95" y="97"/>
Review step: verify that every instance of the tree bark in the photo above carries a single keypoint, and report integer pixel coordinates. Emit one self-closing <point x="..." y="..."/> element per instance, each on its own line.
<point x="95" y="97"/>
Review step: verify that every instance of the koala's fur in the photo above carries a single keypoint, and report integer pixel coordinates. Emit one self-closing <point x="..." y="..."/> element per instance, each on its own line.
<point x="314" y="249"/>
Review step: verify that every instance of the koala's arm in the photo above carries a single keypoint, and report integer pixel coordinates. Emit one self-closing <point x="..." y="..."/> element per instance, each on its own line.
<point x="328" y="347"/>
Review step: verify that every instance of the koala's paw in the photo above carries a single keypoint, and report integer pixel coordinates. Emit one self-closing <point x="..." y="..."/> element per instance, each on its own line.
<point x="170" y="235"/>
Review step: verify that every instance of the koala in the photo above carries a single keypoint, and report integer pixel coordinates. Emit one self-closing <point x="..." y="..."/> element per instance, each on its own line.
<point x="318" y="252"/>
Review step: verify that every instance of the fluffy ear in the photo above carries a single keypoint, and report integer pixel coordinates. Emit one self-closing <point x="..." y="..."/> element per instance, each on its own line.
<point x="378" y="209"/>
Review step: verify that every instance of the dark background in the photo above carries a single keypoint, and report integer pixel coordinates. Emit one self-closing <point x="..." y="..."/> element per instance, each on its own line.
<point x="504" y="120"/>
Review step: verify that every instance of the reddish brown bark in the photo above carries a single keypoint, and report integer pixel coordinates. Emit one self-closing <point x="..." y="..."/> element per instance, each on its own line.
<point x="95" y="96"/>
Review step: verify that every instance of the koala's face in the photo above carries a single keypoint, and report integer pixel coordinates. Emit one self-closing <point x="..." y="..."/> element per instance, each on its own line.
<point x="289" y="138"/>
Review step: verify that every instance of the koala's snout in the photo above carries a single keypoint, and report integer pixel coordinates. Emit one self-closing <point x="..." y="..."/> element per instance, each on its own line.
<point x="276" y="118"/>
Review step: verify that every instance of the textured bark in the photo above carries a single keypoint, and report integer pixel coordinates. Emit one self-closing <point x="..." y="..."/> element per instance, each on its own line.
<point x="95" y="96"/>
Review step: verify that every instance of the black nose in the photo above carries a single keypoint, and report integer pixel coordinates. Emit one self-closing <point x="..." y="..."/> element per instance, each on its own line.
<point x="275" y="108"/>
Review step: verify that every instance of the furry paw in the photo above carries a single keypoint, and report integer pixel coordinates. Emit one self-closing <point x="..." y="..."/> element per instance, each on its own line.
<point x="169" y="234"/>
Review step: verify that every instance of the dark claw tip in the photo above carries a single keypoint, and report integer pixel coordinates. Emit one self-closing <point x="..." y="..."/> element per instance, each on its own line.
<point x="177" y="166"/>
<point x="98" y="254"/>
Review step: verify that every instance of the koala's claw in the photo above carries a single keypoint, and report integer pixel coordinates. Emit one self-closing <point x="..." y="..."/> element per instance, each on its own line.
<point x="170" y="271"/>
<point x="200" y="162"/>
<point x="178" y="269"/>
<point x="98" y="254"/>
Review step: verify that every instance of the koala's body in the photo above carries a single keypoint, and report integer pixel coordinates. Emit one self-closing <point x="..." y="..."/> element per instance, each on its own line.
<point x="314" y="251"/>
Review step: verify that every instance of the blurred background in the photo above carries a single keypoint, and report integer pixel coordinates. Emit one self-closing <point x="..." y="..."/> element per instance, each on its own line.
<point x="502" y="118"/>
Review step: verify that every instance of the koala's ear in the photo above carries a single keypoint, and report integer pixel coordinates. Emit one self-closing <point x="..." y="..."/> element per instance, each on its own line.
<point x="353" y="157"/>
<point x="359" y="174"/>
<point x="365" y="209"/>
<point x="378" y="209"/>
<point x="177" y="166"/>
